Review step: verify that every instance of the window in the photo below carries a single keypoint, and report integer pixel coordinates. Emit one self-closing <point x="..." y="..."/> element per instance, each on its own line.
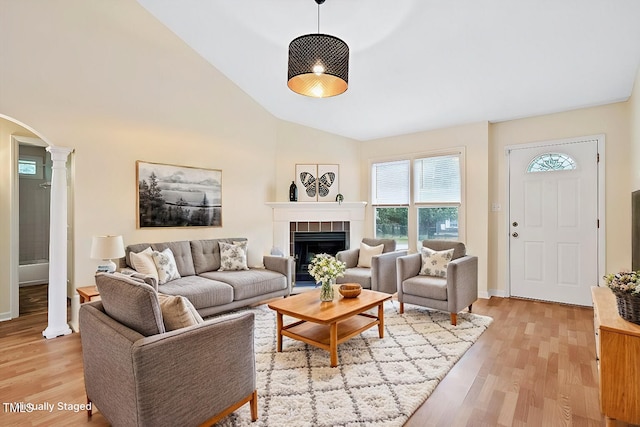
<point x="390" y="200"/>
<point x="551" y="162"/>
<point x="425" y="192"/>
<point x="30" y="167"/>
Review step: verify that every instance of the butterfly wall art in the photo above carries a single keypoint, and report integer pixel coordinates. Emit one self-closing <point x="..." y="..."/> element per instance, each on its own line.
<point x="317" y="182"/>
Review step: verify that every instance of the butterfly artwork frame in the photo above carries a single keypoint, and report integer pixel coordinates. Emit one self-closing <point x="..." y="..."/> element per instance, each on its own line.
<point x="317" y="183"/>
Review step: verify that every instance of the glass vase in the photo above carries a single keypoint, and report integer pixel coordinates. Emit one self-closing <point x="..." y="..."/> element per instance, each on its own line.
<point x="326" y="291"/>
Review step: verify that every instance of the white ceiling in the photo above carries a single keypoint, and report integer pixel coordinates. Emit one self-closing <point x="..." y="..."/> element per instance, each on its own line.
<point x="421" y="64"/>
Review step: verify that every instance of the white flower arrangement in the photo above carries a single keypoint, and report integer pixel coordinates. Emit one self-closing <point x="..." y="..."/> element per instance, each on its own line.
<point x="324" y="268"/>
<point x="625" y="282"/>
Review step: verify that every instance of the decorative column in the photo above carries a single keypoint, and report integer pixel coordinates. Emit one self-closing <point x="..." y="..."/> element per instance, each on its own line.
<point x="58" y="245"/>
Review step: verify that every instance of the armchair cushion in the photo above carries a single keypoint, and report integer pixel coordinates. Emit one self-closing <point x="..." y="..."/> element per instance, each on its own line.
<point x="132" y="303"/>
<point x="434" y="263"/>
<point x="178" y="312"/>
<point x="366" y="252"/>
<point x="426" y="287"/>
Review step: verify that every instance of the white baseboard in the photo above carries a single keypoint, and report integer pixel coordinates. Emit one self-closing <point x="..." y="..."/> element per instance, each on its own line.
<point x="498" y="293"/>
<point x="5" y="316"/>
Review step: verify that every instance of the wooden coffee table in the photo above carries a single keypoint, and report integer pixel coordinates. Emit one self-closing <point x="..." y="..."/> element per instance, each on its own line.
<point x="327" y="324"/>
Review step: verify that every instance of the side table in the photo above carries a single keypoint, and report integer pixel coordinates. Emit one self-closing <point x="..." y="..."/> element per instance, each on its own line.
<point x="87" y="292"/>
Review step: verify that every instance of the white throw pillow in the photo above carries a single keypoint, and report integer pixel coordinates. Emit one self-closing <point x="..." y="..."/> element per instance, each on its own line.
<point x="367" y="252"/>
<point x="166" y="265"/>
<point x="143" y="263"/>
<point x="434" y="263"/>
<point x="233" y="256"/>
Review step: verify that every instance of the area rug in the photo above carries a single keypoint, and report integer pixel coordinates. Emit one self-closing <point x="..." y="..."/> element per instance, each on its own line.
<point x="378" y="382"/>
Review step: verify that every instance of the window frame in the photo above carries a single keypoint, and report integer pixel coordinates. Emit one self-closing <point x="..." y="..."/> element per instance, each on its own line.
<point x="414" y="243"/>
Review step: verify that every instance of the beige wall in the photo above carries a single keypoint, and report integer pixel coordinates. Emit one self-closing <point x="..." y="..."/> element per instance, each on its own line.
<point x="108" y="80"/>
<point x="474" y="139"/>
<point x="612" y="121"/>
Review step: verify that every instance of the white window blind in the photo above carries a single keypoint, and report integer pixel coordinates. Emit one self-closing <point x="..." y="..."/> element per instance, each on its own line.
<point x="390" y="183"/>
<point x="437" y="179"/>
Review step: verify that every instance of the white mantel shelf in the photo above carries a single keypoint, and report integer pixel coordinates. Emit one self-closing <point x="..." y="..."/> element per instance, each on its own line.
<point x="286" y="212"/>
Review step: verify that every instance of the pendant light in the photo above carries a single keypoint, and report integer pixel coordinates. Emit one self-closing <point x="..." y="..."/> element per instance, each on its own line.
<point x="318" y="64"/>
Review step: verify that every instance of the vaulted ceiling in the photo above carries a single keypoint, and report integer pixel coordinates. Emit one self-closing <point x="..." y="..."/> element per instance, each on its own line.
<point x="421" y="64"/>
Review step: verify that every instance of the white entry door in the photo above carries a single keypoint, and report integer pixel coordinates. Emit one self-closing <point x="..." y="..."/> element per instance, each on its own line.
<point x="553" y="221"/>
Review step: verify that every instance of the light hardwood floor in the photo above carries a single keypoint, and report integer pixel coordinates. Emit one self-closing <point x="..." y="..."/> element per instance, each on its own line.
<point x="534" y="366"/>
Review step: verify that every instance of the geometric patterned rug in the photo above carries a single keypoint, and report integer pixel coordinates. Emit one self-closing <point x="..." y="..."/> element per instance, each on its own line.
<point x="378" y="382"/>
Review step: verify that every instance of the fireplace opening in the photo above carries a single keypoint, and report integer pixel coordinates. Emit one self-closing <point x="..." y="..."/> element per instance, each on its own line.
<point x="307" y="244"/>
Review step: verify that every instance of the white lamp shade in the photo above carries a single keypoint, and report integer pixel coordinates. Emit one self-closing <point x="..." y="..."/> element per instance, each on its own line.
<point x="107" y="247"/>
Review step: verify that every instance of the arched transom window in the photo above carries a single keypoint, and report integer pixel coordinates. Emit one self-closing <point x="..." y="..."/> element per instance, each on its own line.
<point x="548" y="162"/>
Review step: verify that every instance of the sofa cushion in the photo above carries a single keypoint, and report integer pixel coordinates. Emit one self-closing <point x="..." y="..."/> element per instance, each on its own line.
<point x="206" y="253"/>
<point x="202" y="292"/>
<point x="233" y="256"/>
<point x="250" y="283"/>
<point x="426" y="287"/>
<point x="143" y="263"/>
<point x="178" y="312"/>
<point x="367" y="252"/>
<point x="357" y="275"/>
<point x="182" y="254"/>
<point x="166" y="266"/>
<point x="131" y="302"/>
<point x="434" y="263"/>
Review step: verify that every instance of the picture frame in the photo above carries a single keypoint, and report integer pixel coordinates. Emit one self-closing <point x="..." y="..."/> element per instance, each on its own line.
<point x="317" y="182"/>
<point x="177" y="196"/>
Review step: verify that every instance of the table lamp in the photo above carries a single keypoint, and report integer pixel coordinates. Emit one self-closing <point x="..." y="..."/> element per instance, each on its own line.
<point x="107" y="248"/>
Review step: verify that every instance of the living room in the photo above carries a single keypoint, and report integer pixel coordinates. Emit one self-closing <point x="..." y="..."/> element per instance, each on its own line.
<point x="115" y="85"/>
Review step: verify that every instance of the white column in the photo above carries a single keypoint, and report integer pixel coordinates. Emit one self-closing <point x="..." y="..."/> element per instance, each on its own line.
<point x="58" y="245"/>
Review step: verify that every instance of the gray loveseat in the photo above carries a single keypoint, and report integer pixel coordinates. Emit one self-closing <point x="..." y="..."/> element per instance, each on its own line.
<point x="212" y="291"/>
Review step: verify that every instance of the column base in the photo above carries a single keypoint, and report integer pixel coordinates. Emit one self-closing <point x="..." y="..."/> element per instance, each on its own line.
<point x="56" y="332"/>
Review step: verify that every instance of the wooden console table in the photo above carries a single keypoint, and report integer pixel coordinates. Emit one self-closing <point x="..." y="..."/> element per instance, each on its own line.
<point x="618" y="355"/>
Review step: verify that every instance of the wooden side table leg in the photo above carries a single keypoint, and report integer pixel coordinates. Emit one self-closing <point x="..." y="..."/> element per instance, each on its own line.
<point x="381" y="320"/>
<point x="279" y="331"/>
<point x="333" y="344"/>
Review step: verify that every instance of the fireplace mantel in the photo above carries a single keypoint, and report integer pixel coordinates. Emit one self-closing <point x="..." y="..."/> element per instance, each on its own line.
<point x="287" y="212"/>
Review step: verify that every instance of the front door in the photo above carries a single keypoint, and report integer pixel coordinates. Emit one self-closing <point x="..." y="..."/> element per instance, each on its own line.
<point x="553" y="221"/>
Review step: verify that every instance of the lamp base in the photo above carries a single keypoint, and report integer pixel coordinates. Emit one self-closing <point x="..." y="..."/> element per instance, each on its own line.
<point x="107" y="266"/>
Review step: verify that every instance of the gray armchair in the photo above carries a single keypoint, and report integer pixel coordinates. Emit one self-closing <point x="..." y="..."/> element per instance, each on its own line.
<point x="136" y="374"/>
<point x="453" y="293"/>
<point x="381" y="276"/>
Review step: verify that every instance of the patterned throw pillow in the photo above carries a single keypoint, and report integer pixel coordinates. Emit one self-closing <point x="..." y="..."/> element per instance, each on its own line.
<point x="166" y="265"/>
<point x="434" y="263"/>
<point x="233" y="256"/>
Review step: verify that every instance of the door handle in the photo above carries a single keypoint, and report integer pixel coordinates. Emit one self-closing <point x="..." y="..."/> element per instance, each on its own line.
<point x="515" y="234"/>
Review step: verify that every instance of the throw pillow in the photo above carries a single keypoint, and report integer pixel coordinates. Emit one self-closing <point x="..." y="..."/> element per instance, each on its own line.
<point x="166" y="265"/>
<point x="233" y="257"/>
<point x="178" y="312"/>
<point x="434" y="263"/>
<point x="143" y="263"/>
<point x="367" y="252"/>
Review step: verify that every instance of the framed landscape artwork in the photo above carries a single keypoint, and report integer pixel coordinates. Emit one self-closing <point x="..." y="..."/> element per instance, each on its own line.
<point x="178" y="196"/>
<point x="317" y="183"/>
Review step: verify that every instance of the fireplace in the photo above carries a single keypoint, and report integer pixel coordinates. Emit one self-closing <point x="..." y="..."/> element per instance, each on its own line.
<point x="307" y="244"/>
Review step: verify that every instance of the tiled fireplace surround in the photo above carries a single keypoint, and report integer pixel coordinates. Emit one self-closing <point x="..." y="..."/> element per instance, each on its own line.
<point x="289" y="217"/>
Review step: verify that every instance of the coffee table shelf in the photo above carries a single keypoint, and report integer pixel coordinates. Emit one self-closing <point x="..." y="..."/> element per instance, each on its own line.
<point x="320" y="335"/>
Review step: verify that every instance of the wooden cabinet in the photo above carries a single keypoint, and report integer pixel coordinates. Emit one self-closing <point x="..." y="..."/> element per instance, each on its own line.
<point x="618" y="353"/>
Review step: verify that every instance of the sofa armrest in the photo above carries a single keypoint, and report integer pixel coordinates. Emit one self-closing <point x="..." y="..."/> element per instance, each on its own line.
<point x="189" y="375"/>
<point x="149" y="280"/>
<point x="283" y="265"/>
<point x="462" y="282"/>
<point x="349" y="257"/>
<point x="408" y="266"/>
<point x="383" y="271"/>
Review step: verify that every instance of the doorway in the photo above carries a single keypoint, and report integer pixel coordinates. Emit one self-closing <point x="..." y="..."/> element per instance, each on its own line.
<point x="555" y="207"/>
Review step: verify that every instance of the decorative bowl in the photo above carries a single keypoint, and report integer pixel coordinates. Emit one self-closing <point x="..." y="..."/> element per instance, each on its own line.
<point x="350" y="290"/>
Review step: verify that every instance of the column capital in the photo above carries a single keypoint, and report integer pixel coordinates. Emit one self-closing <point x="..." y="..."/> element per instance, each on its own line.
<point x="59" y="153"/>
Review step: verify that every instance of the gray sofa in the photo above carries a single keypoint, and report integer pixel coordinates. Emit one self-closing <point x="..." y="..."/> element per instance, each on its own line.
<point x="212" y="291"/>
